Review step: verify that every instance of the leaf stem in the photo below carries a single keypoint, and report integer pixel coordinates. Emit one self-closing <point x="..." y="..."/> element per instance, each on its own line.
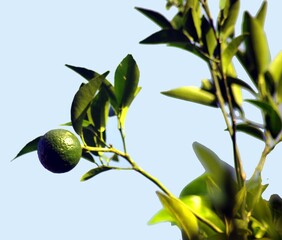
<point x="134" y="165"/>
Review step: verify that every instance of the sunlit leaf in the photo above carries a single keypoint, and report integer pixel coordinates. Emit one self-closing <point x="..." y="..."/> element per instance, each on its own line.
<point x="208" y="36"/>
<point x="261" y="14"/>
<point x="183" y="217"/>
<point x="155" y="17"/>
<point x="193" y="94"/>
<point x="29" y="147"/>
<point x="251" y="130"/>
<point x="94" y="172"/>
<point x="162" y="216"/>
<point x="275" y="72"/>
<point x="228" y="24"/>
<point x="193" y="24"/>
<point x="202" y="208"/>
<point x="256" y="43"/>
<point x="230" y="51"/>
<point x="82" y="101"/>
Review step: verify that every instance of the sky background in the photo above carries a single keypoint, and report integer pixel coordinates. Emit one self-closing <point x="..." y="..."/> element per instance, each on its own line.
<point x="37" y="39"/>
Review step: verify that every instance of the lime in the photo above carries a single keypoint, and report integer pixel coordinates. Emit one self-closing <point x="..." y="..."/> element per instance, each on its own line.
<point x="59" y="150"/>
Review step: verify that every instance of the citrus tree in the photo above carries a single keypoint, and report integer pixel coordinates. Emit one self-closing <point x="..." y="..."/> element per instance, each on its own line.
<point x="222" y="203"/>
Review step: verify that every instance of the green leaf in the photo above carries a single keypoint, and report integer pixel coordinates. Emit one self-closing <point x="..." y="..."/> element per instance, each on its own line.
<point x="126" y="81"/>
<point x="166" y="36"/>
<point x="254" y="189"/>
<point x="84" y="72"/>
<point x="192" y="24"/>
<point x="210" y="161"/>
<point x="94" y="172"/>
<point x="230" y="51"/>
<point x="272" y="118"/>
<point x="155" y="17"/>
<point x="197" y="187"/>
<point x="182" y="215"/>
<point x="193" y="94"/>
<point x="29" y="147"/>
<point x="279" y="93"/>
<point x="228" y="25"/>
<point x="100" y="110"/>
<point x="90" y="74"/>
<point x="208" y="37"/>
<point x="256" y="43"/>
<point x="201" y="207"/>
<point x="241" y="83"/>
<point x="82" y="101"/>
<point x="261" y="14"/>
<point x="161" y="216"/>
<point x="88" y="156"/>
<point x="251" y="130"/>
<point x="275" y="72"/>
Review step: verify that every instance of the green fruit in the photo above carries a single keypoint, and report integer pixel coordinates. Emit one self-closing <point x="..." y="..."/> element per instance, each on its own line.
<point x="59" y="150"/>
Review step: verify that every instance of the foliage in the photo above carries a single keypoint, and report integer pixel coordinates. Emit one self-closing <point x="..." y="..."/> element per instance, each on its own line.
<point x="221" y="203"/>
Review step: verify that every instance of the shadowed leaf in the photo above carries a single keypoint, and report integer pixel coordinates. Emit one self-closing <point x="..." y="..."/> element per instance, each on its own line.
<point x="155" y="17"/>
<point x="166" y="36"/>
<point x="29" y="147"/>
<point x="253" y="131"/>
<point x="94" y="172"/>
<point x="82" y="101"/>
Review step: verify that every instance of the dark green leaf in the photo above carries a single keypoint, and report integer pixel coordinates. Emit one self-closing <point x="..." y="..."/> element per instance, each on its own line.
<point x="272" y="116"/>
<point x="93" y="172"/>
<point x="82" y="101"/>
<point x="100" y="110"/>
<point x="88" y="156"/>
<point x="193" y="94"/>
<point x="166" y="36"/>
<point x="126" y="81"/>
<point x="241" y="83"/>
<point x="29" y="147"/>
<point x="155" y="17"/>
<point x="85" y="73"/>
<point x="251" y="130"/>
<point x="182" y="215"/>
<point x="90" y="74"/>
<point x="188" y="46"/>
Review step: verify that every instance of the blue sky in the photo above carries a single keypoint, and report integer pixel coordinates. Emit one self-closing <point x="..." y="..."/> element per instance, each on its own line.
<point x="37" y="39"/>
